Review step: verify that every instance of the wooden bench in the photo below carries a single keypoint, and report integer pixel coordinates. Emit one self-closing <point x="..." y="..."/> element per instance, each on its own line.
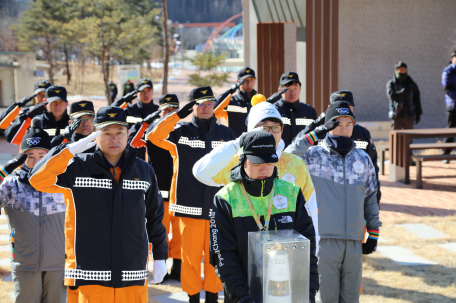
<point x="384" y="148"/>
<point x="419" y="164"/>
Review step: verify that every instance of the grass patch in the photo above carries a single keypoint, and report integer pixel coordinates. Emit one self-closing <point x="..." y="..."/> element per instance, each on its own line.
<point x="386" y="281"/>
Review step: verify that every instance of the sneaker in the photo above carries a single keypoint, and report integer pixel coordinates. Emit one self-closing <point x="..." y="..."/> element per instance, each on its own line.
<point x="446" y="161"/>
<point x="211" y="297"/>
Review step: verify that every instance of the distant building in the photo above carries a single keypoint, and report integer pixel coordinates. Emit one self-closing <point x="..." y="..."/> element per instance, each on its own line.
<point x="17" y="76"/>
<point x="354" y="45"/>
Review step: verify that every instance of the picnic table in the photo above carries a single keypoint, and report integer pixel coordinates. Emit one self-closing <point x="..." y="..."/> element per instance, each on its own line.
<point x="400" y="149"/>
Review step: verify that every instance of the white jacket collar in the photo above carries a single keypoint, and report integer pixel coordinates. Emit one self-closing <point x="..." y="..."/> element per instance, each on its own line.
<point x="280" y="147"/>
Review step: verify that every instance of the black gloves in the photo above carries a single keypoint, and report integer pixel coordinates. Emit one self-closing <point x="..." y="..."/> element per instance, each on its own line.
<point x="417" y="119"/>
<point x="70" y="129"/>
<point x="149" y="119"/>
<point x="235" y="86"/>
<point x="24" y="101"/>
<point x="370" y="246"/>
<point x="39" y="109"/>
<point x="246" y="299"/>
<point x="277" y="96"/>
<point x="14" y="163"/>
<point x="186" y="110"/>
<point x="317" y="122"/>
<point x="127" y="98"/>
<point x="322" y="130"/>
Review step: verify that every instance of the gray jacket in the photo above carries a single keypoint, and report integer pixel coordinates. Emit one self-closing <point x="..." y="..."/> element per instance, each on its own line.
<point x="36" y="226"/>
<point x="345" y="187"/>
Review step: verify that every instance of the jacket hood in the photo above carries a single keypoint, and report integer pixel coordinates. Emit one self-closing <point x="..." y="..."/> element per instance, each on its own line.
<point x="253" y="187"/>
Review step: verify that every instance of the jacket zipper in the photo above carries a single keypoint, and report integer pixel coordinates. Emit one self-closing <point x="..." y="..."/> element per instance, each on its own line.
<point x="40" y="246"/>
<point x="345" y="188"/>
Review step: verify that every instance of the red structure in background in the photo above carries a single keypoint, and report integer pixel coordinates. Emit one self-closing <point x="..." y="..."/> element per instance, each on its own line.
<point x="218" y="30"/>
<point x="205" y="24"/>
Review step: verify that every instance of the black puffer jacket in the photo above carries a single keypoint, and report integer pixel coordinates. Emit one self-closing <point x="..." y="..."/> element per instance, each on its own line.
<point x="230" y="224"/>
<point x="404" y="97"/>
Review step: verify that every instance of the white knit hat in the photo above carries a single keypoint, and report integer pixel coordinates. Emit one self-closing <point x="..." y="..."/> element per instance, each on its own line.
<point x="260" y="112"/>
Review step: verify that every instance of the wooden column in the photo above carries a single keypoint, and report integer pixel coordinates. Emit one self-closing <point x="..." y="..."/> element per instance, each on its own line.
<point x="322" y="34"/>
<point x="276" y="54"/>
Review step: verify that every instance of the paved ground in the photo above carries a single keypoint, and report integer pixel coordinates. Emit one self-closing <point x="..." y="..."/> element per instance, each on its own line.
<point x="437" y="198"/>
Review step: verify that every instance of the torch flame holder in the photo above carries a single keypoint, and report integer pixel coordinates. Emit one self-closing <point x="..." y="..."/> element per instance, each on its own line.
<point x="278" y="266"/>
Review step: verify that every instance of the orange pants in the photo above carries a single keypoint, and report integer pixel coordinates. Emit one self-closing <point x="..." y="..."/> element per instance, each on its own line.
<point x="99" y="294"/>
<point x="174" y="246"/>
<point x="195" y="240"/>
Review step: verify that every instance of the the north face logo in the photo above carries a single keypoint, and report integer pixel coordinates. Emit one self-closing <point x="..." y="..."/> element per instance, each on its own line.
<point x="286" y="219"/>
<point x="273" y="156"/>
<point x="33" y="140"/>
<point x="343" y="111"/>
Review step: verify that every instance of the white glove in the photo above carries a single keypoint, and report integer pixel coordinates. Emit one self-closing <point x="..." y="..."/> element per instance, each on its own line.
<point x="159" y="272"/>
<point x="83" y="144"/>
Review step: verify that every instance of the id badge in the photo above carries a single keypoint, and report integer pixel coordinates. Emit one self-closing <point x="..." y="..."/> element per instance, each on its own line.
<point x="59" y="198"/>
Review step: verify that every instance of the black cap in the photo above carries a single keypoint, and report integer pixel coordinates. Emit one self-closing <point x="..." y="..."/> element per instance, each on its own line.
<point x="342" y="95"/>
<point x="36" y="137"/>
<point x="110" y="115"/>
<point x="81" y="108"/>
<point x="54" y="93"/>
<point x="42" y="86"/>
<point x="400" y="64"/>
<point x="259" y="147"/>
<point x="339" y="109"/>
<point x="143" y="83"/>
<point x="245" y="73"/>
<point x="202" y="94"/>
<point x="168" y="100"/>
<point x="289" y="77"/>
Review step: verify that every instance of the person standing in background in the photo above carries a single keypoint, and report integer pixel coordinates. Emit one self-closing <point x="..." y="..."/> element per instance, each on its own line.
<point x="404" y="96"/>
<point x="449" y="85"/>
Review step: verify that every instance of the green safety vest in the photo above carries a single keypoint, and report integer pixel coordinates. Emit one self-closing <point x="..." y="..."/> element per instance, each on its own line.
<point x="232" y="193"/>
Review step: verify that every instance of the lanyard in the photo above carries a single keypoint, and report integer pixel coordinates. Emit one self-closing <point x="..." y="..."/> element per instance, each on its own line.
<point x="254" y="214"/>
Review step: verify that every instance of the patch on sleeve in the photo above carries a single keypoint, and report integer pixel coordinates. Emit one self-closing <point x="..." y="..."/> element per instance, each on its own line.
<point x="288" y="177"/>
<point x="58" y="198"/>
<point x="358" y="166"/>
<point x="280" y="202"/>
